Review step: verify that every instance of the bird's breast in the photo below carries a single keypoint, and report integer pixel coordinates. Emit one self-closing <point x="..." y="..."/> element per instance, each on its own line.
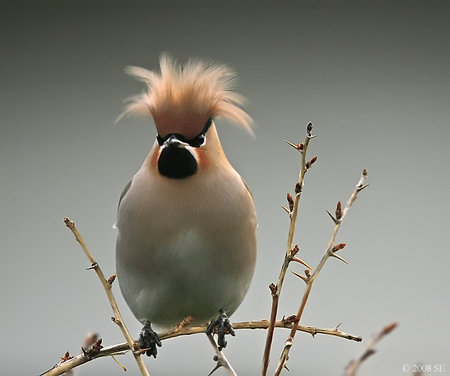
<point x="185" y="247"/>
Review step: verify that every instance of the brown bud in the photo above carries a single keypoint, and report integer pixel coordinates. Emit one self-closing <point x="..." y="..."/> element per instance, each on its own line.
<point x="97" y="346"/>
<point x="308" y="273"/>
<point x="313" y="159"/>
<point x="338" y="211"/>
<point x="66" y="357"/>
<point x="273" y="289"/>
<point x="309" y="128"/>
<point x="111" y="279"/>
<point x="308" y="165"/>
<point x="295" y="250"/>
<point x="389" y="328"/>
<point x="364" y="172"/>
<point x="298" y="188"/>
<point x="290" y="319"/>
<point x="290" y="201"/>
<point x="300" y="146"/>
<point x="338" y="247"/>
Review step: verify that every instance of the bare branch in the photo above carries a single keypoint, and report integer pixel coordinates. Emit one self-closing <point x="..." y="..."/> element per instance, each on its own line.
<point x="107" y="286"/>
<point x="293" y="211"/>
<point x="353" y="366"/>
<point x="221" y="360"/>
<point x="330" y="252"/>
<point x="69" y="362"/>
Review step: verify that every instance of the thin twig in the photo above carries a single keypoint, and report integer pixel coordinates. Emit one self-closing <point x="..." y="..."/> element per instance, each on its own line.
<point x="117" y="319"/>
<point x="121" y="348"/>
<point x="289" y="255"/>
<point x="264" y="324"/>
<point x="330" y="252"/>
<point x="353" y="366"/>
<point x="221" y="360"/>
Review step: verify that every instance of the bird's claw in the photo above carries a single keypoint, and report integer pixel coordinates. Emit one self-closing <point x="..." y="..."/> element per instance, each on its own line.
<point x="148" y="340"/>
<point x="222" y="323"/>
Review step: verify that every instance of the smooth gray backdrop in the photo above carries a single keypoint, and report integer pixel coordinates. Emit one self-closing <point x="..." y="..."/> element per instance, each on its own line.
<point x="372" y="76"/>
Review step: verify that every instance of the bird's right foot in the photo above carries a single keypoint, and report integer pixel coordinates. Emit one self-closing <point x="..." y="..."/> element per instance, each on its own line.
<point x="223" y="326"/>
<point x="148" y="340"/>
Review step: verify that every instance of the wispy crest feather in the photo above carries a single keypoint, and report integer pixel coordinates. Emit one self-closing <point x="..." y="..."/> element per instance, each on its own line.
<point x="197" y="91"/>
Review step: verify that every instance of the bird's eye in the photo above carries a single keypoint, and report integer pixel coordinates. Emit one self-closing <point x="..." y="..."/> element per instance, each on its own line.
<point x="198" y="141"/>
<point x="195" y="142"/>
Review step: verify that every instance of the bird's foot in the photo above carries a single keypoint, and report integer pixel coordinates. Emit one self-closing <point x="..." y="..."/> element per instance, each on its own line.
<point x="223" y="325"/>
<point x="148" y="340"/>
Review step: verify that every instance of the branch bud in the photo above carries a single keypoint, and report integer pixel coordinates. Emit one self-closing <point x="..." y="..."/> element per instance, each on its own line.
<point x="338" y="211"/>
<point x="66" y="357"/>
<point x="389" y="328"/>
<point x="289" y="320"/>
<point x="309" y="128"/>
<point x="360" y="186"/>
<point x="338" y="247"/>
<point x="97" y="346"/>
<point x="111" y="279"/>
<point x="273" y="289"/>
<point x="290" y="201"/>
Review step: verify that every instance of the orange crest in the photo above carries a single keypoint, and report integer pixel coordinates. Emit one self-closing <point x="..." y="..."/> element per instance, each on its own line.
<point x="181" y="99"/>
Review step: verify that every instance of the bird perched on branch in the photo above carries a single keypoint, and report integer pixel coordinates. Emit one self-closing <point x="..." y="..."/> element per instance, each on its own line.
<point x="186" y="243"/>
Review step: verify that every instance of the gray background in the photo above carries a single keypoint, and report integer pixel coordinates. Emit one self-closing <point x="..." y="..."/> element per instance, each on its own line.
<point x="374" y="78"/>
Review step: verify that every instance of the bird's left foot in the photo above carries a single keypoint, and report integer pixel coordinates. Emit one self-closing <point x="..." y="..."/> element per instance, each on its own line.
<point x="148" y="339"/>
<point x="223" y="325"/>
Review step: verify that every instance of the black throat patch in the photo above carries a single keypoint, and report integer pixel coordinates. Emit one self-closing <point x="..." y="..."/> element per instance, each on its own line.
<point x="175" y="160"/>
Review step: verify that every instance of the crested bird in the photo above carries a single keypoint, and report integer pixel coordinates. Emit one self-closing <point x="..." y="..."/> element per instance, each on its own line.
<point x="186" y="242"/>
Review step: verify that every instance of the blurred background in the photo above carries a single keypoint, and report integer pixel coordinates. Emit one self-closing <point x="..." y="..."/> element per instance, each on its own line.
<point x="374" y="79"/>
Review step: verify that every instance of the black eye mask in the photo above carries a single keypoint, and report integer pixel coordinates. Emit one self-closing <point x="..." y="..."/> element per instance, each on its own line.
<point x="195" y="142"/>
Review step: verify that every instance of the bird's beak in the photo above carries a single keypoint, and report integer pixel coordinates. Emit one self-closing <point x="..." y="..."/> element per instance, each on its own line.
<point x="173" y="141"/>
<point x="176" y="158"/>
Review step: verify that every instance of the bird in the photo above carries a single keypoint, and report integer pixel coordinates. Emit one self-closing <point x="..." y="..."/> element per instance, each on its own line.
<point x="186" y="242"/>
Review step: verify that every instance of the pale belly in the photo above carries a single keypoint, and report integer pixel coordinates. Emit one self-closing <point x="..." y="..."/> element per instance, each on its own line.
<point x="196" y="266"/>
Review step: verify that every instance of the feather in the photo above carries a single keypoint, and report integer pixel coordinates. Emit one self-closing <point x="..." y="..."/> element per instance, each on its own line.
<point x="186" y="96"/>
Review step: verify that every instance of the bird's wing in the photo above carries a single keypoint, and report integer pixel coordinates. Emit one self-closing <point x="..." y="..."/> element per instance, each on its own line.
<point x="246" y="186"/>
<point x="125" y="190"/>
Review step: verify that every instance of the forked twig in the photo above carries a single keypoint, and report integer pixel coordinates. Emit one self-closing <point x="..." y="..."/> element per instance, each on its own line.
<point x="291" y="251"/>
<point x="117" y="319"/>
<point x="309" y="279"/>
<point x="221" y="360"/>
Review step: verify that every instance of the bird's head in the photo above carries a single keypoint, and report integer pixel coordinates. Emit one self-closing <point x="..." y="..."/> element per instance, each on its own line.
<point x="183" y="101"/>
